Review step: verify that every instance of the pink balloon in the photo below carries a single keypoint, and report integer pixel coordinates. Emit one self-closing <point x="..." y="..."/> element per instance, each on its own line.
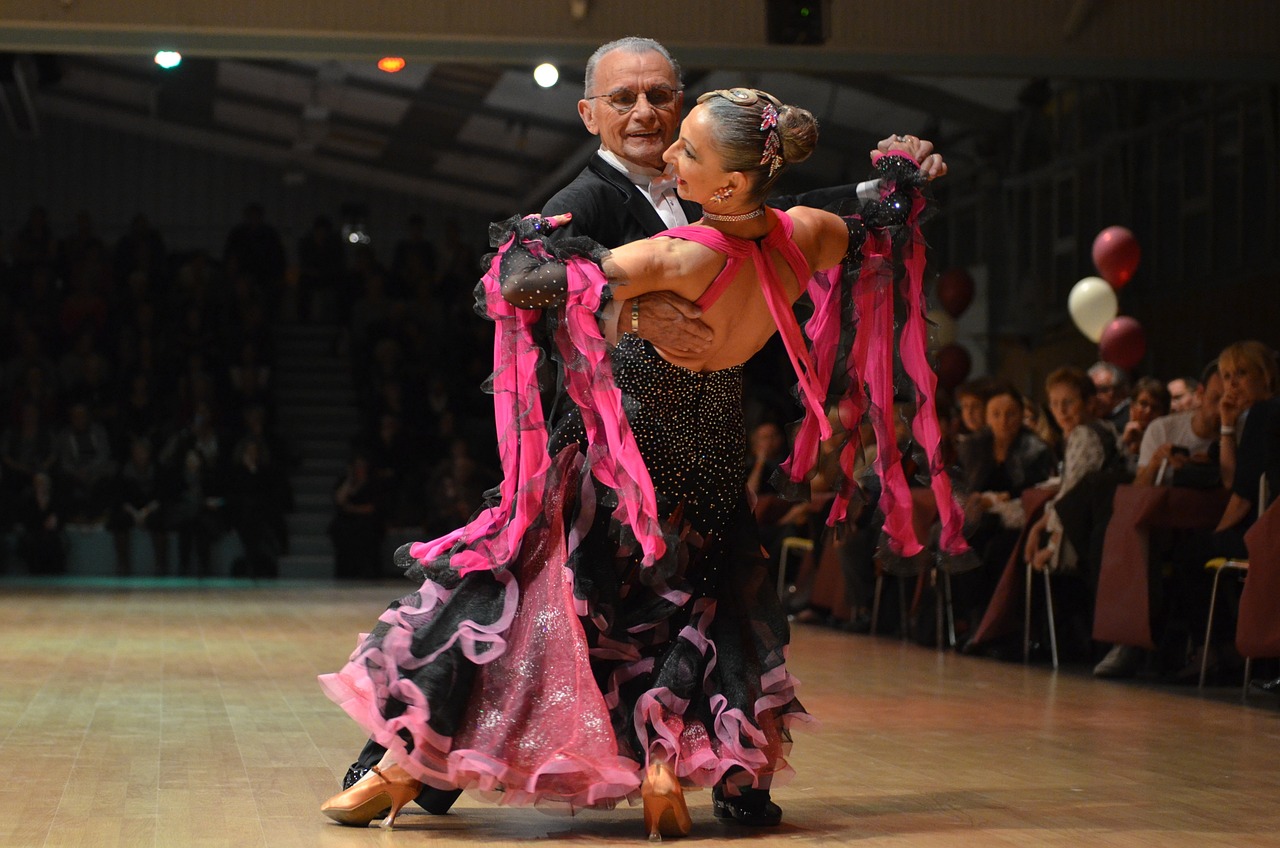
<point x="1116" y="253"/>
<point x="1123" y="343"/>
<point x="954" y="363"/>
<point x="955" y="291"/>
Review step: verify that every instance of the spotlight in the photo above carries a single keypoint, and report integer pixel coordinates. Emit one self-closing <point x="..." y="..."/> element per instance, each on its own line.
<point x="168" y="59"/>
<point x="391" y="64"/>
<point x="546" y="75"/>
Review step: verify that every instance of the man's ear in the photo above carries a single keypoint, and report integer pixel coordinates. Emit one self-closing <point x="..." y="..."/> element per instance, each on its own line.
<point x="588" y="117"/>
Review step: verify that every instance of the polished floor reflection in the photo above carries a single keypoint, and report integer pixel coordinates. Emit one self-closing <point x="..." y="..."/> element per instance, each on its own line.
<point x="153" y="714"/>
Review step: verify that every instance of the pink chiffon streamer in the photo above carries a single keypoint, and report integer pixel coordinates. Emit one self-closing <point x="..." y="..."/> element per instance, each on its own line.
<point x="870" y="392"/>
<point x="492" y="539"/>
<point x="925" y="424"/>
<point x="613" y="454"/>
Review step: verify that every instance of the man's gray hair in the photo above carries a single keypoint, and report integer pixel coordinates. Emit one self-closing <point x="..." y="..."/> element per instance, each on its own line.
<point x="1118" y="378"/>
<point x="630" y="44"/>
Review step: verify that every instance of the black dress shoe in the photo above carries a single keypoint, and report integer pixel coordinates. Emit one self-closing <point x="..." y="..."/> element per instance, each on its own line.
<point x="435" y="801"/>
<point x="1266" y="687"/>
<point x="751" y="808"/>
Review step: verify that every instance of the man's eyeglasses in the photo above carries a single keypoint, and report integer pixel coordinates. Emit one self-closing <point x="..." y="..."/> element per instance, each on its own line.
<point x="624" y="99"/>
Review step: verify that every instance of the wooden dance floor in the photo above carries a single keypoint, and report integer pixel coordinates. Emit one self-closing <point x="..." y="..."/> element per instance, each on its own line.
<point x="161" y="715"/>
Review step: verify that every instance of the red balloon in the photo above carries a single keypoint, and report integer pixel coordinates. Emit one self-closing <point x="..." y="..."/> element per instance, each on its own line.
<point x="955" y="291"/>
<point x="1116" y="254"/>
<point x="1123" y="343"/>
<point x="953" y="365"/>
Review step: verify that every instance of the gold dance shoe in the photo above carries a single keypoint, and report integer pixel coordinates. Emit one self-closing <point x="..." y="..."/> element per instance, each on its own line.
<point x="665" y="813"/>
<point x="382" y="792"/>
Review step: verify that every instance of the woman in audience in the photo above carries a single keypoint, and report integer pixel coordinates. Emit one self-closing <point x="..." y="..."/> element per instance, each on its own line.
<point x="971" y="399"/>
<point x="1089" y="445"/>
<point x="1150" y="401"/>
<point x="1249" y="446"/>
<point x="997" y="463"/>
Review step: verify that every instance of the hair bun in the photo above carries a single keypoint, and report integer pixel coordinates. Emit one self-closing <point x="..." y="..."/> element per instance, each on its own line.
<point x="799" y="131"/>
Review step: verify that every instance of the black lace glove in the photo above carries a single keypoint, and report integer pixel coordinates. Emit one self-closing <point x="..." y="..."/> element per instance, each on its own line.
<point x="536" y="278"/>
<point x="901" y="181"/>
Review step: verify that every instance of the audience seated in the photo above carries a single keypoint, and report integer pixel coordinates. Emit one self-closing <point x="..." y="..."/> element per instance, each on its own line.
<point x="1150" y="400"/>
<point x="138" y="506"/>
<point x="971" y="400"/>
<point x="1111" y="397"/>
<point x="997" y="463"/>
<point x="1067" y="538"/>
<point x="359" y="522"/>
<point x="167" y="361"/>
<point x="1182" y="394"/>
<point x="1177" y="449"/>
<point x="1249" y="447"/>
<point x="1182" y="439"/>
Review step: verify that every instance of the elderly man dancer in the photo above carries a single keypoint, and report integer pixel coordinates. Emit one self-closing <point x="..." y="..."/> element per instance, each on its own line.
<point x="632" y="101"/>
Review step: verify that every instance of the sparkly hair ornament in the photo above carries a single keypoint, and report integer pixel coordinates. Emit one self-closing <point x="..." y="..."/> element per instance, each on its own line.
<point x="768" y="120"/>
<point x="772" y="142"/>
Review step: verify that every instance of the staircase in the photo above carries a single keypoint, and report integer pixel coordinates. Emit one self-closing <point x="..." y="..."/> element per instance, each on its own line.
<point x="317" y="416"/>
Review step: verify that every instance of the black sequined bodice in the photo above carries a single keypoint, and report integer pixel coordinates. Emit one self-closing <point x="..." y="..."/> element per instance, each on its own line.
<point x="689" y="427"/>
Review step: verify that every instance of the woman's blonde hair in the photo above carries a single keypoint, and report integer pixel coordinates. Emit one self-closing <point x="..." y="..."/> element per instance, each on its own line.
<point x="1253" y="356"/>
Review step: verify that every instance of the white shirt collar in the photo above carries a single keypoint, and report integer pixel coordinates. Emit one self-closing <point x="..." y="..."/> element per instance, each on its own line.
<point x="657" y="187"/>
<point x="640" y="175"/>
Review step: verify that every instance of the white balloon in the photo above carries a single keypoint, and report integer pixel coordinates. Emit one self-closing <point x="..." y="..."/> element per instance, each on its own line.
<point x="943" y="331"/>
<point x="1093" y="305"/>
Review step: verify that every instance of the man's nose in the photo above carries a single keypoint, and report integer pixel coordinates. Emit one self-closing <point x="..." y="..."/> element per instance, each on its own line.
<point x="643" y="108"/>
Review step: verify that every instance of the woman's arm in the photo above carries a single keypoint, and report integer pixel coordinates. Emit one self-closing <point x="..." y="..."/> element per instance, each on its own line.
<point x="532" y="278"/>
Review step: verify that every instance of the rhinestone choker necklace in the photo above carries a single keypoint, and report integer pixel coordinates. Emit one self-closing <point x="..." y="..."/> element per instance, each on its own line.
<point x="745" y="216"/>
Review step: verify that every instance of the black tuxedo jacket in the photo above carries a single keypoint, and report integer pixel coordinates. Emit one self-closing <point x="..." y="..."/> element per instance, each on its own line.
<point x="609" y="209"/>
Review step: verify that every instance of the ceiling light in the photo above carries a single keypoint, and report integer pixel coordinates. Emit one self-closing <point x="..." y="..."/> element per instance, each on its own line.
<point x="391" y="64"/>
<point x="168" y="59"/>
<point x="546" y="75"/>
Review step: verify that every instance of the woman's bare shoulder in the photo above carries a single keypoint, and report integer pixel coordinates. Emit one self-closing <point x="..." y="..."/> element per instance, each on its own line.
<point x="822" y="236"/>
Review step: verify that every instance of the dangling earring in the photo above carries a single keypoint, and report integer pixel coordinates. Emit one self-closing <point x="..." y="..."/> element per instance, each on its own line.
<point x="721" y="195"/>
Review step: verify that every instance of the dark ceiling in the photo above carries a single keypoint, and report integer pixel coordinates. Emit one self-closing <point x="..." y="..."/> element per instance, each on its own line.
<point x="479" y="136"/>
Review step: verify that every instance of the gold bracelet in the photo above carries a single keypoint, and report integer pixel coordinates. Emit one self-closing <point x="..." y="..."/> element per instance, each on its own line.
<point x="635" y="317"/>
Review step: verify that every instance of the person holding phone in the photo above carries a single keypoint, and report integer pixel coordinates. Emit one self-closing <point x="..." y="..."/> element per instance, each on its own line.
<point x="1173" y="441"/>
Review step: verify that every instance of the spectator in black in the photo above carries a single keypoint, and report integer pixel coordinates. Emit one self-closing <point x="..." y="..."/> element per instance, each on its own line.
<point x="396" y="465"/>
<point x="85" y="468"/>
<point x="254" y="248"/>
<point x="249" y="380"/>
<point x="81" y="246"/>
<point x="413" y="265"/>
<point x="39" y="527"/>
<point x="1111" y="397"/>
<point x="27" y="448"/>
<point x="455" y="486"/>
<point x="254" y="509"/>
<point x="140" y="251"/>
<point x="193" y="506"/>
<point x="322" y="265"/>
<point x="276" y="458"/>
<point x="997" y="463"/>
<point x="138" y="501"/>
<point x="357" y="527"/>
<point x="139" y="416"/>
<point x="34" y="244"/>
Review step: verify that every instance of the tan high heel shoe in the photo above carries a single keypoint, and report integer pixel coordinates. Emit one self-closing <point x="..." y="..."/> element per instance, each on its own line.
<point x="382" y="792"/>
<point x="665" y="813"/>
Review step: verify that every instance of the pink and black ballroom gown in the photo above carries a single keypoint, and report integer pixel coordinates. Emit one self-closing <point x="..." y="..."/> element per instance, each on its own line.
<point x="614" y="600"/>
